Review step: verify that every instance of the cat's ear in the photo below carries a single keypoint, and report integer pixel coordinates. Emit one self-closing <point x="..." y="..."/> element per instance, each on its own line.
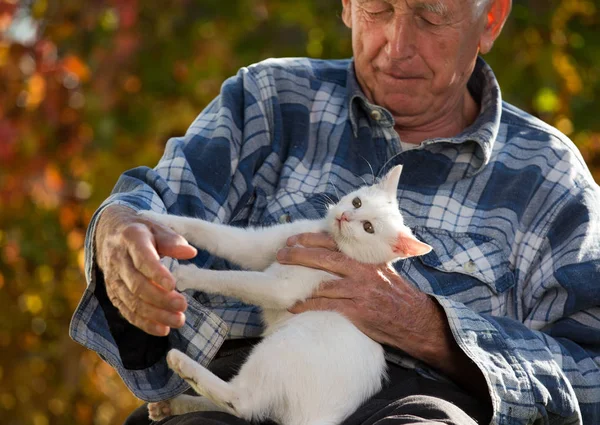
<point x="389" y="183"/>
<point x="407" y="245"/>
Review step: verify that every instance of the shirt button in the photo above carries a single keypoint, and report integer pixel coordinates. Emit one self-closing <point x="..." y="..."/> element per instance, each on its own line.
<point x="376" y="115"/>
<point x="470" y="266"/>
<point x="285" y="218"/>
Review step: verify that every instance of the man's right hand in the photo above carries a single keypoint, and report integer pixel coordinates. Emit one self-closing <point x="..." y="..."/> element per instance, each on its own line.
<point x="128" y="251"/>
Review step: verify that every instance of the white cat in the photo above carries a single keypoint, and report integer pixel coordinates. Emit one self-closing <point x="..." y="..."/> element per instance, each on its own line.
<point x="311" y="368"/>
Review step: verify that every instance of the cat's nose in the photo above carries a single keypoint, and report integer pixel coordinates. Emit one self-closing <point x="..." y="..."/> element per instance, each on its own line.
<point x="344" y="217"/>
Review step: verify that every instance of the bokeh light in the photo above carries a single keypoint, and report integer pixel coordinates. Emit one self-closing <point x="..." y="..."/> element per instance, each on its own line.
<point x="84" y="87"/>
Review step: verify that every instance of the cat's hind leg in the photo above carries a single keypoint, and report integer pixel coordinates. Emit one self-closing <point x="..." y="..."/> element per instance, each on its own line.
<point x="224" y="395"/>
<point x="180" y="405"/>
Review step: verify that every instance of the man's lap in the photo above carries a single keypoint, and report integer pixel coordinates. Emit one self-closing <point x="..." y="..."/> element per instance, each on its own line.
<point x="407" y="398"/>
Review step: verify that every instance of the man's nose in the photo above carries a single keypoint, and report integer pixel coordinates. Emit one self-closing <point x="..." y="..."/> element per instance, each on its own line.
<point x="401" y="37"/>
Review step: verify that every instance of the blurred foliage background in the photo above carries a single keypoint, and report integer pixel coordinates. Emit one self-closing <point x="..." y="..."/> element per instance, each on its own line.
<point x="90" y="89"/>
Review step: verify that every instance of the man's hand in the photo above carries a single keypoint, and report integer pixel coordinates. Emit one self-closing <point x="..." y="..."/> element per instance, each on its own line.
<point x="373" y="296"/>
<point x="128" y="250"/>
<point x="384" y="307"/>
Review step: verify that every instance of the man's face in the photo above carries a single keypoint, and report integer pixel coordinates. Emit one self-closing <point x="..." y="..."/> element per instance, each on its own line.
<point x="414" y="57"/>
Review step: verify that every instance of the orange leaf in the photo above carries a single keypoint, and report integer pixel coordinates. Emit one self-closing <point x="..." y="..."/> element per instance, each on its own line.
<point x="53" y="179"/>
<point x="75" y="66"/>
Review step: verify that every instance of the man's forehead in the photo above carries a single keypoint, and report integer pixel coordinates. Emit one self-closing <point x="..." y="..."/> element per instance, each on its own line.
<point x="432" y="5"/>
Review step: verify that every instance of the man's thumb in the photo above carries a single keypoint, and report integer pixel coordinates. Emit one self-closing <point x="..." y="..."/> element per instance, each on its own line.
<point x="172" y="245"/>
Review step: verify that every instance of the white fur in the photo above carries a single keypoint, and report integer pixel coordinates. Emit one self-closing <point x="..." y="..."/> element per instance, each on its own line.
<point x="311" y="368"/>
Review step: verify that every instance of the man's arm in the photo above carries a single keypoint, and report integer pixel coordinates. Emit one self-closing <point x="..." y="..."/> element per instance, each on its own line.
<point x="544" y="367"/>
<point x="388" y="309"/>
<point x="130" y="298"/>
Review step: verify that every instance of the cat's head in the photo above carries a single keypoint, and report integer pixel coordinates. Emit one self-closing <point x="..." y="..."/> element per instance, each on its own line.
<point x="367" y="225"/>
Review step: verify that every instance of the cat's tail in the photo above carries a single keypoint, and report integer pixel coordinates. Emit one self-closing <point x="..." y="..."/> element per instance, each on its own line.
<point x="204" y="382"/>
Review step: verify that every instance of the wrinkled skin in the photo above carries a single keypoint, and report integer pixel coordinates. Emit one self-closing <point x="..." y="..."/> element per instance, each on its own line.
<point x="128" y="251"/>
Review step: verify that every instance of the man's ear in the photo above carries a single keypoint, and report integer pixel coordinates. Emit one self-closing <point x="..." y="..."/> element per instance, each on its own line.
<point x="347" y="13"/>
<point x="496" y="14"/>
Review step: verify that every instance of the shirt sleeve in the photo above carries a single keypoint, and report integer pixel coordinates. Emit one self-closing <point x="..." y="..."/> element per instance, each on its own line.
<point x="208" y="173"/>
<point x="545" y="367"/>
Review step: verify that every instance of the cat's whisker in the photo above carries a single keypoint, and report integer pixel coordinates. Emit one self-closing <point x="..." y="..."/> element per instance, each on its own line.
<point x="329" y="201"/>
<point x="337" y="194"/>
<point x="385" y="165"/>
<point x="335" y="189"/>
<point x="363" y="179"/>
<point x="324" y="204"/>
<point x="371" y="168"/>
<point x="324" y="199"/>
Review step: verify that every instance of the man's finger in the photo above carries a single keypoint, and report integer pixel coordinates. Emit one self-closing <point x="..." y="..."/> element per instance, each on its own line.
<point x="147" y="312"/>
<point x="141" y="248"/>
<point x="313" y="240"/>
<point x="150" y="292"/>
<point x="319" y="258"/>
<point x="335" y="289"/>
<point x="317" y="304"/>
<point x="141" y="314"/>
<point x="170" y="244"/>
<point x="116" y="298"/>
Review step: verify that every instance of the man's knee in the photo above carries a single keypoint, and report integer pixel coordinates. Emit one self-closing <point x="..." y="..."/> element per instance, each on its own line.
<point x="139" y="416"/>
<point x="423" y="409"/>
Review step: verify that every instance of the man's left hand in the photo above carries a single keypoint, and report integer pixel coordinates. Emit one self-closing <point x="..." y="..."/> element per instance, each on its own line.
<point x="384" y="307"/>
<point x="373" y="296"/>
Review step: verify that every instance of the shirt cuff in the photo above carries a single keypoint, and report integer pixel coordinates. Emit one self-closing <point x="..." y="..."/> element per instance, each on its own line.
<point x="94" y="326"/>
<point x="200" y="338"/>
<point x="498" y="359"/>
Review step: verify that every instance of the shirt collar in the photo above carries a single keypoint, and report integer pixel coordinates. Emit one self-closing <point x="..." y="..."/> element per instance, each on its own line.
<point x="483" y="87"/>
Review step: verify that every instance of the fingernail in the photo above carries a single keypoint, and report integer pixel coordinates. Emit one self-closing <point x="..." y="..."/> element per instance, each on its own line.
<point x="291" y="241"/>
<point x="282" y="254"/>
<point x="175" y="321"/>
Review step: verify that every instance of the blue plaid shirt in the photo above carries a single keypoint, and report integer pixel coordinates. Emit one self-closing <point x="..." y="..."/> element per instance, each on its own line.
<point x="508" y="205"/>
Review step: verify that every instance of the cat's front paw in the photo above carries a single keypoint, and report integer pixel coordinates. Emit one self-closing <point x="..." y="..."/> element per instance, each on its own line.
<point x="169" y="220"/>
<point x="187" y="276"/>
<point x="159" y="410"/>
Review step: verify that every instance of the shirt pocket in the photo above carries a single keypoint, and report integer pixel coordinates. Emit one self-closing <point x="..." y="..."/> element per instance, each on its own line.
<point x="470" y="255"/>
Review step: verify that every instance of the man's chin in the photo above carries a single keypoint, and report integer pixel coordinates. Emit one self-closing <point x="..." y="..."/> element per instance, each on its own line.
<point x="404" y="104"/>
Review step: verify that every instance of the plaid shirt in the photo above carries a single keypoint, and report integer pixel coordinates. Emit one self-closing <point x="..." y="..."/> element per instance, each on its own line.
<point x="509" y="207"/>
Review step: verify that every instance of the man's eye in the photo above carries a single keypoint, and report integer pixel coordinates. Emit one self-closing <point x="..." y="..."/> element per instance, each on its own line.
<point x="378" y="14"/>
<point x="368" y="227"/>
<point x="356" y="203"/>
<point x="430" y="21"/>
<point x="377" y="9"/>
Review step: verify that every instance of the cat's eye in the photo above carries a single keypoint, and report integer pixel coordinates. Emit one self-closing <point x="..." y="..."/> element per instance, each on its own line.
<point x="356" y="203"/>
<point x="368" y="227"/>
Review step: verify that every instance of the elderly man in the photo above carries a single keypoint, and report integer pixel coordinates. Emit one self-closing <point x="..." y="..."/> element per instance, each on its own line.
<point x="498" y="323"/>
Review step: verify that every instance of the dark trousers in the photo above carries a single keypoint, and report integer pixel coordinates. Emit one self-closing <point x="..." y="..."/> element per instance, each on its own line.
<point x="406" y="399"/>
